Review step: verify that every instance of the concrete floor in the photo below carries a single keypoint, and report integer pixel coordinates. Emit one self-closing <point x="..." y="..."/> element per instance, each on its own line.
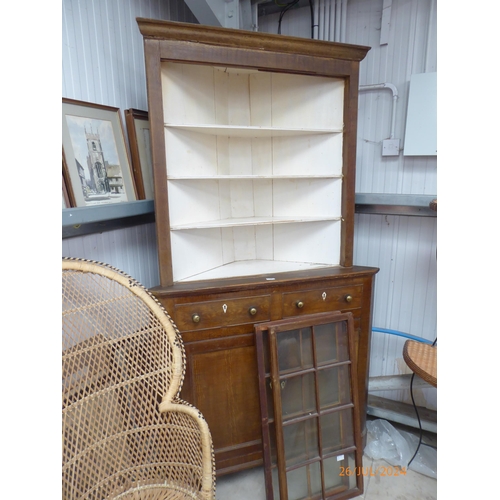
<point x="250" y="485"/>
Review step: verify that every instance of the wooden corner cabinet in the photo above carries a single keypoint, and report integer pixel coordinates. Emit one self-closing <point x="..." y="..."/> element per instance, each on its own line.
<point x="253" y="141"/>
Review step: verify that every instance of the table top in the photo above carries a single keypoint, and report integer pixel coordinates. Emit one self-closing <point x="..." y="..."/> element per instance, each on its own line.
<point x="422" y="359"/>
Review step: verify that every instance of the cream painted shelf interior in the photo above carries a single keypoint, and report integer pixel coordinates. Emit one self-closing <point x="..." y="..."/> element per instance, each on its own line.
<point x="254" y="170"/>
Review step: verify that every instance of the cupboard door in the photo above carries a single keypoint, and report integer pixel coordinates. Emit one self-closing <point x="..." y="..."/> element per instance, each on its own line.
<point x="221" y="382"/>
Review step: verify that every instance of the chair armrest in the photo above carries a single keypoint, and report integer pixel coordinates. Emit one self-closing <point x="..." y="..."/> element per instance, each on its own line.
<point x="190" y="421"/>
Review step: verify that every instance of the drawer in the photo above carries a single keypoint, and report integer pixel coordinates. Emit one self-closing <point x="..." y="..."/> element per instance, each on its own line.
<point x="217" y="313"/>
<point x="341" y="298"/>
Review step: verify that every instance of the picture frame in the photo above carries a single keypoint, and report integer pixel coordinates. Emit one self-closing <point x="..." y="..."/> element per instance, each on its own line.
<point x="137" y="123"/>
<point x="96" y="161"/>
<point x="65" y="198"/>
<point x="68" y="196"/>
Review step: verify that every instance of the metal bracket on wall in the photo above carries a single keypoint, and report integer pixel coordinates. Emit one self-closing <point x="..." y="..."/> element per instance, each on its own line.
<point x="395" y="204"/>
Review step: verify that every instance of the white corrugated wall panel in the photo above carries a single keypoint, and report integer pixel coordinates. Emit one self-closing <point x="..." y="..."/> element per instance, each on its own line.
<point x="133" y="250"/>
<point x="404" y="248"/>
<point x="103" y="62"/>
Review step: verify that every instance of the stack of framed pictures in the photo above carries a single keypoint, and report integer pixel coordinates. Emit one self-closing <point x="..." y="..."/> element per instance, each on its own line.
<point x="97" y="166"/>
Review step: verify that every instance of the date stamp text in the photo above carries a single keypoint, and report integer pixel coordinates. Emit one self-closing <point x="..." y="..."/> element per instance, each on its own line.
<point x="371" y="471"/>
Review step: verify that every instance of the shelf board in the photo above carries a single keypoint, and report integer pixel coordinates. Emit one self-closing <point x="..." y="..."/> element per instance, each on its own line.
<point x="251" y="177"/>
<point x="99" y="218"/>
<point x="254" y="268"/>
<point x="250" y="221"/>
<point x="395" y="204"/>
<point x="250" y="131"/>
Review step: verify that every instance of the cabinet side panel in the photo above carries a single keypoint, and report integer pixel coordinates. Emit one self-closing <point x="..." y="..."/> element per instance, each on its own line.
<point x="244" y="243"/>
<point x="221" y="82"/>
<point x="304" y="101"/>
<point x="194" y="201"/>
<point x="242" y="199"/>
<point x="240" y="156"/>
<point x="190" y="154"/>
<point x="308" y="155"/>
<point x="307" y="197"/>
<point x="263" y="197"/>
<point x="195" y="251"/>
<point x="314" y="242"/>
<point x="262" y="156"/>
<point x="188" y="93"/>
<point x="238" y="97"/>
<point x="260" y="99"/>
<point x="264" y="242"/>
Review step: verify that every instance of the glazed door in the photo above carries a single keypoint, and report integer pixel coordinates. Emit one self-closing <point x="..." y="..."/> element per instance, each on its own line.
<point x="310" y="424"/>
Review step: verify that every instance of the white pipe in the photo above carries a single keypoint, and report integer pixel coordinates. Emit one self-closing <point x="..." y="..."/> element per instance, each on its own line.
<point x="429" y="31"/>
<point x="321" y="16"/>
<point x="255" y="14"/>
<point x="331" y="30"/>
<point x="331" y="26"/>
<point x="316" y="20"/>
<point x="338" y="19"/>
<point x="343" y="31"/>
<point x="395" y="96"/>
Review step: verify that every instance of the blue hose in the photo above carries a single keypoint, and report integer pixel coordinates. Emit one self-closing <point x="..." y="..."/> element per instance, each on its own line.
<point x="401" y="334"/>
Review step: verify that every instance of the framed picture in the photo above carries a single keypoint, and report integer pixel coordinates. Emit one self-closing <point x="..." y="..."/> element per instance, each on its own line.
<point x="95" y="155"/>
<point x="68" y="196"/>
<point x="140" y="150"/>
<point x="65" y="198"/>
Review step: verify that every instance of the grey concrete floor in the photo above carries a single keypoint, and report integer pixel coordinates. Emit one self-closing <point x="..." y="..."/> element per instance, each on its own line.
<point x="378" y="484"/>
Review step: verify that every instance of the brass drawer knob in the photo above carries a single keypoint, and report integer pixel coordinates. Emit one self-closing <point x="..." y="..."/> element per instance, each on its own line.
<point x="252" y="311"/>
<point x="300" y="304"/>
<point x="348" y="298"/>
<point x="196" y="318"/>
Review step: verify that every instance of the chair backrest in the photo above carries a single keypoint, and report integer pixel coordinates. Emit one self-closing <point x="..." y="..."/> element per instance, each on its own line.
<point x="122" y="358"/>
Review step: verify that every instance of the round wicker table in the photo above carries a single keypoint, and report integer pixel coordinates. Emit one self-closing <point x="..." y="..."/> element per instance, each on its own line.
<point x="422" y="359"/>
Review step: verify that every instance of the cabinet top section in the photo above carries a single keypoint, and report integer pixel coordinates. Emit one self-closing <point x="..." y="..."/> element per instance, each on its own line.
<point x="266" y="42"/>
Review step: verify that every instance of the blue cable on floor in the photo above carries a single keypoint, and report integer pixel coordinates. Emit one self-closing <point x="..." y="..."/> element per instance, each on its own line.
<point x="401" y="334"/>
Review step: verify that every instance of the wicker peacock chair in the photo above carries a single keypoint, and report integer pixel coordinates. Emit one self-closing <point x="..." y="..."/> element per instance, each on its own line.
<point x="126" y="434"/>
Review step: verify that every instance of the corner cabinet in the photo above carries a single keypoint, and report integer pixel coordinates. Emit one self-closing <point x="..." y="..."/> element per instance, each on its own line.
<point x="253" y="141"/>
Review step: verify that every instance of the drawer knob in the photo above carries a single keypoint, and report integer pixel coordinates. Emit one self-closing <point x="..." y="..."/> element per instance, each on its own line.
<point x="252" y="311"/>
<point x="348" y="298"/>
<point x="300" y="304"/>
<point x="196" y="318"/>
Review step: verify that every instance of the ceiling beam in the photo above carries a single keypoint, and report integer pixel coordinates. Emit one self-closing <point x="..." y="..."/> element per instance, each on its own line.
<point x="225" y="13"/>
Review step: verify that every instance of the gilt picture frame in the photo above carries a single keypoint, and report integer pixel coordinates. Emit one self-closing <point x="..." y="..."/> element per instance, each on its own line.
<point x="95" y="154"/>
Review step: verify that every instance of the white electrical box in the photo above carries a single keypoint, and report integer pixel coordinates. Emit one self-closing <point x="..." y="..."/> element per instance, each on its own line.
<point x="421" y="119"/>
<point x="390" y="147"/>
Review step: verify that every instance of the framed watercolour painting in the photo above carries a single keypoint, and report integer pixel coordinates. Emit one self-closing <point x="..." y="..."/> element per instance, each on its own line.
<point x="96" y="158"/>
<point x="140" y="150"/>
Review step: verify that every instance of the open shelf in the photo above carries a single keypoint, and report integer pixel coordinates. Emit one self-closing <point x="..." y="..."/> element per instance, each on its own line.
<point x="249" y="221"/>
<point x="250" y="131"/>
<point x="254" y="170"/>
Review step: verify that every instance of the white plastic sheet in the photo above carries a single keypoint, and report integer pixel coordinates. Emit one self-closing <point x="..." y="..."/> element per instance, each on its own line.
<point x="385" y="442"/>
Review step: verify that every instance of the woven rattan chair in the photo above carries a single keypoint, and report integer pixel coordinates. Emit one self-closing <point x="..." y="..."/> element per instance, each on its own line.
<point x="126" y="434"/>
